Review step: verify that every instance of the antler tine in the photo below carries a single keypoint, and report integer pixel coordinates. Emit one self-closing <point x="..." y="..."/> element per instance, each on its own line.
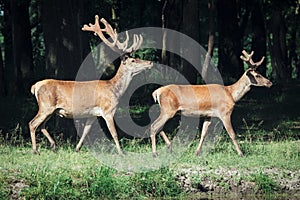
<point x="137" y="42"/>
<point x="247" y="57"/>
<point x="120" y="47"/>
<point x="112" y="33"/>
<point x="249" y="61"/>
<point x="98" y="31"/>
<point x="123" y="45"/>
<point x="140" y="41"/>
<point x="260" y="62"/>
<point x="92" y="27"/>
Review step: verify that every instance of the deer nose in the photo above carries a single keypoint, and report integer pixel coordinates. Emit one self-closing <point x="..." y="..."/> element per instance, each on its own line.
<point x="269" y="84"/>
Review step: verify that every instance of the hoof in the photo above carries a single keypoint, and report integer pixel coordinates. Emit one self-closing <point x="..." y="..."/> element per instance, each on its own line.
<point x="53" y="147"/>
<point x="121" y="153"/>
<point x="169" y="148"/>
<point x="154" y="154"/>
<point x="35" y="152"/>
<point x="77" y="150"/>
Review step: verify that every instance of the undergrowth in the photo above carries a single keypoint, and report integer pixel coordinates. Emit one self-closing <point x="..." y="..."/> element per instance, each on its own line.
<point x="70" y="175"/>
<point x="264" y="182"/>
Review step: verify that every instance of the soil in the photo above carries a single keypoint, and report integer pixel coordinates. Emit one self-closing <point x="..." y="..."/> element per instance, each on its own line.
<point x="227" y="183"/>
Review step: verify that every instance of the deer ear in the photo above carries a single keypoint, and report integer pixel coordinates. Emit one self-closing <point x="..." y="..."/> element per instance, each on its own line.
<point x="124" y="58"/>
<point x="251" y="77"/>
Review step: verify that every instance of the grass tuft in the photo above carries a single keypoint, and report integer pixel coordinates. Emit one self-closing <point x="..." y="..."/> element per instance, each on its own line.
<point x="264" y="183"/>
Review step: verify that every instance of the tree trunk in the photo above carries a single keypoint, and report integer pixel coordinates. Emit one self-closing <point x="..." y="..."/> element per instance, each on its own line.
<point x="164" y="33"/>
<point x="259" y="36"/>
<point x="230" y="35"/>
<point x="8" y="73"/>
<point x="173" y="20"/>
<point x="191" y="28"/>
<point x="22" y="46"/>
<point x="66" y="45"/>
<point x="293" y="59"/>
<point x="278" y="47"/>
<point x="2" y="82"/>
<point x="210" y="43"/>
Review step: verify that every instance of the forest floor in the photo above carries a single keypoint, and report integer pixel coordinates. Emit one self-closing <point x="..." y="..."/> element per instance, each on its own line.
<point x="269" y="170"/>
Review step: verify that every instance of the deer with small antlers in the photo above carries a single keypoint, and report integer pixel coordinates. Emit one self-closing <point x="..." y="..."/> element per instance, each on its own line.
<point x="93" y="99"/>
<point x="210" y="100"/>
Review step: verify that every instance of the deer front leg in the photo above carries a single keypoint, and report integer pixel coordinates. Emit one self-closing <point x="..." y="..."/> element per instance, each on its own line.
<point x="87" y="127"/>
<point x="230" y="131"/>
<point x="205" y="126"/>
<point x="112" y="129"/>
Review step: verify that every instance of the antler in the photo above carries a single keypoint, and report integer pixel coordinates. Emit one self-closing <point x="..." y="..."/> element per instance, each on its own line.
<point x="249" y="61"/>
<point x="121" y="46"/>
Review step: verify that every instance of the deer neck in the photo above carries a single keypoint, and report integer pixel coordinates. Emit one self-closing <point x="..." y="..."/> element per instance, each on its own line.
<point x="240" y="88"/>
<point x="121" y="81"/>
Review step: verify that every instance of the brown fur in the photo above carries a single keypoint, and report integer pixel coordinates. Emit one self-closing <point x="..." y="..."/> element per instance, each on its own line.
<point x="210" y="100"/>
<point x="89" y="99"/>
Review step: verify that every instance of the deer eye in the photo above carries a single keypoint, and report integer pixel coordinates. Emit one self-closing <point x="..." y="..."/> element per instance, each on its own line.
<point x="258" y="76"/>
<point x="132" y="60"/>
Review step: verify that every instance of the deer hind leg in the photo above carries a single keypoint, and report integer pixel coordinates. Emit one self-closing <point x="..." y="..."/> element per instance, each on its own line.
<point x="205" y="126"/>
<point x="39" y="119"/>
<point x="167" y="141"/>
<point x="230" y="131"/>
<point x="87" y="127"/>
<point x="156" y="126"/>
<point x="112" y="129"/>
<point x="45" y="132"/>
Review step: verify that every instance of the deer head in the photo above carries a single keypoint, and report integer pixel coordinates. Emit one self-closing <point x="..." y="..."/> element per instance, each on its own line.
<point x="255" y="78"/>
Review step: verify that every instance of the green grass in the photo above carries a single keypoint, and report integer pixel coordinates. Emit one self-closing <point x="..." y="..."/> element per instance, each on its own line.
<point x="282" y="155"/>
<point x="70" y="175"/>
<point x="264" y="182"/>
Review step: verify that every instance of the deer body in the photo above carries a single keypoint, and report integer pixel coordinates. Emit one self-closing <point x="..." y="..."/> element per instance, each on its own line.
<point x="59" y="96"/>
<point x="89" y="99"/>
<point x="199" y="104"/>
<point x="210" y="100"/>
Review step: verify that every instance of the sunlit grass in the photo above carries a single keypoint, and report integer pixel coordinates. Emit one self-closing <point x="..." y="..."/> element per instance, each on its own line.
<point x="70" y="175"/>
<point x="283" y="155"/>
<point x="67" y="174"/>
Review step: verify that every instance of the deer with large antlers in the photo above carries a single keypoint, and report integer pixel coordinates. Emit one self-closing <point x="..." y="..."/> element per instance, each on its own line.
<point x="93" y="99"/>
<point x="210" y="100"/>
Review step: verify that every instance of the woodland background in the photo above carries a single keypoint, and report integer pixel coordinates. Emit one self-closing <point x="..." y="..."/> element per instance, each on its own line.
<point x="43" y="39"/>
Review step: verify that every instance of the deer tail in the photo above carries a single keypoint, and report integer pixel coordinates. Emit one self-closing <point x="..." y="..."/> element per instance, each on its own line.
<point x="32" y="89"/>
<point x="156" y="95"/>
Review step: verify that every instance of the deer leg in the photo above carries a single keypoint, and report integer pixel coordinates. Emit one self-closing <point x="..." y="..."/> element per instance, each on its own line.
<point x="205" y="126"/>
<point x="45" y="132"/>
<point x="230" y="131"/>
<point x="157" y="125"/>
<point x="87" y="127"/>
<point x="34" y="124"/>
<point x="112" y="129"/>
<point x="167" y="141"/>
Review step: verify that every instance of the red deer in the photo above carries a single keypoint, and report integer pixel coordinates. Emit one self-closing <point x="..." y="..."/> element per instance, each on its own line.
<point x="98" y="98"/>
<point x="210" y="100"/>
